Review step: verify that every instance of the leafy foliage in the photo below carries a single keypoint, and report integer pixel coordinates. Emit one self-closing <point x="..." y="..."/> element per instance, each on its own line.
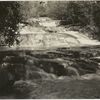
<point x="31" y="9"/>
<point x="9" y="19"/>
<point x="81" y="13"/>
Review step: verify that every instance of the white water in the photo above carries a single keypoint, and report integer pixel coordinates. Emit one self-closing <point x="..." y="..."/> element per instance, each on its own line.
<point x="48" y="35"/>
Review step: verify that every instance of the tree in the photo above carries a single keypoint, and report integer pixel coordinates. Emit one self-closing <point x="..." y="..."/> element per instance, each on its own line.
<point x="9" y="18"/>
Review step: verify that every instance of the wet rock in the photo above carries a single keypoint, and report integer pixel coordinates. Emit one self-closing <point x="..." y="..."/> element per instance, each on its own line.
<point x="6" y="79"/>
<point x="85" y="67"/>
<point x="23" y="88"/>
<point x="90" y="77"/>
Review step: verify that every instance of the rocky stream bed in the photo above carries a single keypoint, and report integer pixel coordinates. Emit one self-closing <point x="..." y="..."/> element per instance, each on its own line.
<point x="51" y="62"/>
<point x="48" y="74"/>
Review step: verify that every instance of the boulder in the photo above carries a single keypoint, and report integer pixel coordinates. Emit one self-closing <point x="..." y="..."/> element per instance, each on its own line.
<point x="6" y="79"/>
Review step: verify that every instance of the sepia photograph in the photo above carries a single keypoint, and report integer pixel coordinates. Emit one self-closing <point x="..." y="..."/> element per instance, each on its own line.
<point x="50" y="49"/>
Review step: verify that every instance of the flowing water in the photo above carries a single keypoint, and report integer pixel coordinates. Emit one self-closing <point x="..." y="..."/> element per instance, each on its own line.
<point x="51" y="62"/>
